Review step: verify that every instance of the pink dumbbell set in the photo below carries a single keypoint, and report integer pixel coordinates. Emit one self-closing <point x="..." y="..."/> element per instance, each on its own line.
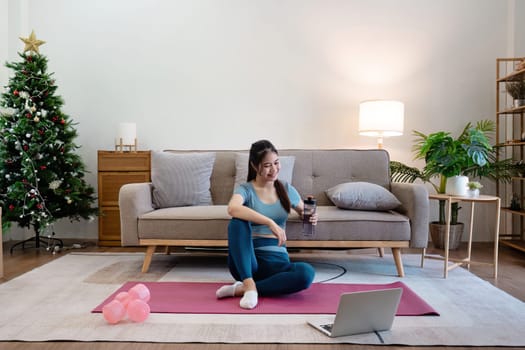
<point x="133" y="303"/>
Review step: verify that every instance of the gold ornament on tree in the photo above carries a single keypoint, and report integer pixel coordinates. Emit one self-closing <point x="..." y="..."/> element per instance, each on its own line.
<point x="32" y="43"/>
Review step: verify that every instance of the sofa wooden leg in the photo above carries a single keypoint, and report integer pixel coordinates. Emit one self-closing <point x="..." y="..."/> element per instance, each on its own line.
<point x="396" y="252"/>
<point x="381" y="252"/>
<point x="148" y="257"/>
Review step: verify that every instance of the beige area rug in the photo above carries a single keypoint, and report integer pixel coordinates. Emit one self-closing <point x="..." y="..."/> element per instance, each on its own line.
<point x="53" y="302"/>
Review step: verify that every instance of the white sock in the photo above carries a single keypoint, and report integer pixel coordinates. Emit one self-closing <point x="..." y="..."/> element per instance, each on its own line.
<point x="227" y="291"/>
<point x="249" y="300"/>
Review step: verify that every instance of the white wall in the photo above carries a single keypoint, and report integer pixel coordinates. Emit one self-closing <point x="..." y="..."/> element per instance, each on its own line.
<point x="4" y="36"/>
<point x="519" y="29"/>
<point x="219" y="74"/>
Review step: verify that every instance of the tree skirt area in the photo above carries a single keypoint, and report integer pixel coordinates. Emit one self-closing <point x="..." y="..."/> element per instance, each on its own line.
<point x="54" y="302"/>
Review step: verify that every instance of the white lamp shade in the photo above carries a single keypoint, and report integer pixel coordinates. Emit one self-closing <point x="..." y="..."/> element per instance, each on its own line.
<point x="128" y="133"/>
<point x="381" y="118"/>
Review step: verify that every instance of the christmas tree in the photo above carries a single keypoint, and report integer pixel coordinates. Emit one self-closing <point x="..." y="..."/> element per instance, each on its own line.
<point x="41" y="176"/>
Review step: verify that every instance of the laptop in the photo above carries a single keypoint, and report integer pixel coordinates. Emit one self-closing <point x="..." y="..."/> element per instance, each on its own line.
<point x="362" y="312"/>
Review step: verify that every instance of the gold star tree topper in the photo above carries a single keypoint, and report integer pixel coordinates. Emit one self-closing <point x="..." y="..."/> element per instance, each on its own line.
<point x="32" y="43"/>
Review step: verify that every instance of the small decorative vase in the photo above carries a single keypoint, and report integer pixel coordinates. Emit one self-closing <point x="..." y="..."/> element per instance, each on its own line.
<point x="457" y="185"/>
<point x="519" y="102"/>
<point x="473" y="193"/>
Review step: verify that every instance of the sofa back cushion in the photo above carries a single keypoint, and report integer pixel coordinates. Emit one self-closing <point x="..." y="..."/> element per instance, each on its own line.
<point x="314" y="171"/>
<point x="223" y="174"/>
<point x="181" y="179"/>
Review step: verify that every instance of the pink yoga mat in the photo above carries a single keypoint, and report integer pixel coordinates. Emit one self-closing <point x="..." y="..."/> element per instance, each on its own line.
<point x="320" y="298"/>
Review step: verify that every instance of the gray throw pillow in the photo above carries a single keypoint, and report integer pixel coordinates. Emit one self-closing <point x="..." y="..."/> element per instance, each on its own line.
<point x="362" y="196"/>
<point x="241" y="168"/>
<point x="181" y="179"/>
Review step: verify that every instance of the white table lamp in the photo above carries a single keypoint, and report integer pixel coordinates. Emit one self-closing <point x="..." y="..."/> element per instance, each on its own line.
<point x="381" y="118"/>
<point x="127" y="137"/>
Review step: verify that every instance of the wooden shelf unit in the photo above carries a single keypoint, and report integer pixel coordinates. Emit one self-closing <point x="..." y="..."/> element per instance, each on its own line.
<point x="116" y="169"/>
<point x="510" y="137"/>
<point x="518" y="244"/>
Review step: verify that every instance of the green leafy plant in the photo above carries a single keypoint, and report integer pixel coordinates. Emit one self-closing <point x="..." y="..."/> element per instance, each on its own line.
<point x="470" y="154"/>
<point x="516" y="89"/>
<point x="474" y="185"/>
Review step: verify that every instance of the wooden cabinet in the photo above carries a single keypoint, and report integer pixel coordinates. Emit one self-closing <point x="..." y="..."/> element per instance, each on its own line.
<point x="116" y="169"/>
<point x="510" y="138"/>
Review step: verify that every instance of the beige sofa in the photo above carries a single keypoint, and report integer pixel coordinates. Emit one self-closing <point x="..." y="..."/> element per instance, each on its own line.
<point x="314" y="172"/>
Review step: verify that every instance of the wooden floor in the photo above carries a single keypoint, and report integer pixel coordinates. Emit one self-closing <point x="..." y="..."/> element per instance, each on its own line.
<point x="511" y="278"/>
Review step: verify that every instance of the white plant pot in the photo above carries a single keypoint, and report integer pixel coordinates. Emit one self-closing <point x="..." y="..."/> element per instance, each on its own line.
<point x="457" y="185"/>
<point x="519" y="102"/>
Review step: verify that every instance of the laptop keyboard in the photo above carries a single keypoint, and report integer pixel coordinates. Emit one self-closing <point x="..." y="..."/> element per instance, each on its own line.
<point x="328" y="327"/>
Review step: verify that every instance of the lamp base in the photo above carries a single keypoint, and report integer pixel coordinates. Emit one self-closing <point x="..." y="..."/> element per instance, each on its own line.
<point x="121" y="147"/>
<point x="380" y="142"/>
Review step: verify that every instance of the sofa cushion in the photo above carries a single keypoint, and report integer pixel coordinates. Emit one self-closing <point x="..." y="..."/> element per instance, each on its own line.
<point x="241" y="168"/>
<point x="211" y="222"/>
<point x="191" y="223"/>
<point x="181" y="179"/>
<point x="356" y="225"/>
<point x="362" y="196"/>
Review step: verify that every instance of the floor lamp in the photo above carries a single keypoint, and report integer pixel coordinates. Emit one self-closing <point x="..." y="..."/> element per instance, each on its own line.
<point x="381" y="118"/>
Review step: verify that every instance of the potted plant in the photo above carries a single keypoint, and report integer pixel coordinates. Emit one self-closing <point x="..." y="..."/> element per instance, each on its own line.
<point x="473" y="188"/>
<point x="470" y="154"/>
<point x="516" y="89"/>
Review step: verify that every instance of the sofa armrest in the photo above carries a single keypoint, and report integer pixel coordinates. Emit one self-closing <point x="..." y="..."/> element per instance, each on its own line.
<point x="415" y="205"/>
<point x="134" y="200"/>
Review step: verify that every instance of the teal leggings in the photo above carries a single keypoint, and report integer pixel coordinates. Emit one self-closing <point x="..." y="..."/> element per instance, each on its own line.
<point x="272" y="271"/>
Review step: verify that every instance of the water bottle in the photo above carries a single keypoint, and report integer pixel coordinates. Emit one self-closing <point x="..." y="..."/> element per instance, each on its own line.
<point x="310" y="206"/>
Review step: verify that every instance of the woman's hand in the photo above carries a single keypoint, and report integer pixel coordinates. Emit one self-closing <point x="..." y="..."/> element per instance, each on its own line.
<point x="314" y="218"/>
<point x="278" y="232"/>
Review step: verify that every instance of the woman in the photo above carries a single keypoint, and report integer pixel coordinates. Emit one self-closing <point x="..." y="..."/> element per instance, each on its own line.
<point x="258" y="259"/>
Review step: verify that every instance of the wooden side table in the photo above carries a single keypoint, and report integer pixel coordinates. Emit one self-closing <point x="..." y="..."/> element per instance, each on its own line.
<point x="116" y="169"/>
<point x="467" y="260"/>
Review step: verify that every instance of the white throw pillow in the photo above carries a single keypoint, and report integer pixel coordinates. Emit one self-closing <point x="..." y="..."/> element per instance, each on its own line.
<point x="241" y="168"/>
<point x="362" y="196"/>
<point x="181" y="179"/>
